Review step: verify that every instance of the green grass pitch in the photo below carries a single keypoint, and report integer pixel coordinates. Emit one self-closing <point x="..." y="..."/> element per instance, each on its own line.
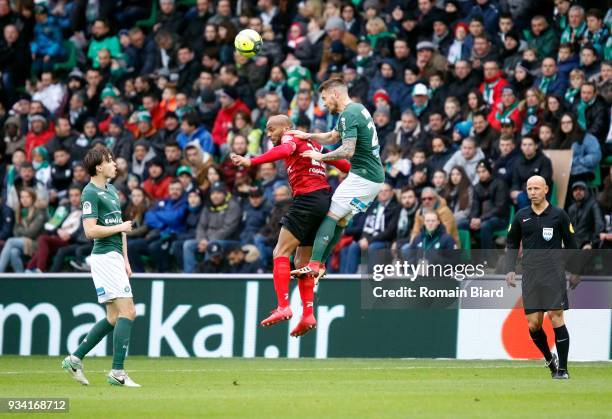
<point x="333" y="388"/>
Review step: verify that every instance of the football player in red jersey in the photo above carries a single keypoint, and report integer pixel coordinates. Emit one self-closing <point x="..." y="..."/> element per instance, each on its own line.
<point x="311" y="200"/>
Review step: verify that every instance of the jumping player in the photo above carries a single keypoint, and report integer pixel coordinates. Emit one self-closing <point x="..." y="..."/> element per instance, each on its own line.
<point x="543" y="230"/>
<point x="312" y="193"/>
<point x="110" y="268"/>
<point x="356" y="129"/>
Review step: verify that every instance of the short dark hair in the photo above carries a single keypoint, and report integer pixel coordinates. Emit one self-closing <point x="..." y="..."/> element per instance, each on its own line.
<point x="96" y="156"/>
<point x="172" y="144"/>
<point x="192" y="119"/>
<point x="331" y="83"/>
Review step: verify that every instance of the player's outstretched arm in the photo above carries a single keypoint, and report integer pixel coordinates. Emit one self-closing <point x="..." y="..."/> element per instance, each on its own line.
<point x="345" y="151"/>
<point x="324" y="138"/>
<point x="279" y="152"/>
<point x="95" y="231"/>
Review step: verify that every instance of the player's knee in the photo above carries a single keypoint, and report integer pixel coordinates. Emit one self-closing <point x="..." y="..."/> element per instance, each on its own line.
<point x="128" y="312"/>
<point x="534" y="325"/>
<point x="111" y="318"/>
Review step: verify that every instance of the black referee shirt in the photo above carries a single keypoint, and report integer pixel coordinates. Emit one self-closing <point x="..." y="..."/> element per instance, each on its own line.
<point x="543" y="236"/>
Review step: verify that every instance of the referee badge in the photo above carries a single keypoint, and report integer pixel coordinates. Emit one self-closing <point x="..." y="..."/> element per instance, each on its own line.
<point x="547" y="233"/>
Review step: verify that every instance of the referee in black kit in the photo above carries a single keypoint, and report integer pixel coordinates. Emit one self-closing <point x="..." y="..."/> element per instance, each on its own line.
<point x="543" y="230"/>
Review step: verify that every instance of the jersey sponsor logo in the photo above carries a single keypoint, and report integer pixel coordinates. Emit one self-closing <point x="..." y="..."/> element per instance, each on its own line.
<point x="100" y="291"/>
<point x="87" y="208"/>
<point x="113" y="220"/>
<point x="547" y="233"/>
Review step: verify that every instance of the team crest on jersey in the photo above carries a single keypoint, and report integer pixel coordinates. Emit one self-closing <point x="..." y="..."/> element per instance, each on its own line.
<point x="547" y="233"/>
<point x="86" y="207"/>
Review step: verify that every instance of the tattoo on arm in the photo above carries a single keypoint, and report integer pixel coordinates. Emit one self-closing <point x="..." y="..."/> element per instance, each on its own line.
<point x="345" y="151"/>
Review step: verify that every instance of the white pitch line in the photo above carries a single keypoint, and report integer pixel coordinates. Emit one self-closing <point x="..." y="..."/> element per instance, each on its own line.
<point x="233" y="370"/>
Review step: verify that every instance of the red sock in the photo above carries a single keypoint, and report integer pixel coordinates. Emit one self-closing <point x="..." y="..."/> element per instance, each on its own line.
<point x="281" y="274"/>
<point x="306" y="286"/>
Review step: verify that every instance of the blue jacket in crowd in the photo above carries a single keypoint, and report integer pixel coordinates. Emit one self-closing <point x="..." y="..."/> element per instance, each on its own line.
<point x="201" y="136"/>
<point x="253" y="219"/>
<point x="168" y="216"/>
<point x="587" y="154"/>
<point x="47" y="39"/>
<point x="557" y="87"/>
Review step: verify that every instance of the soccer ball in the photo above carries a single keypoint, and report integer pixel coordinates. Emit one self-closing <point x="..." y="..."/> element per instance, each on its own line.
<point x="248" y="43"/>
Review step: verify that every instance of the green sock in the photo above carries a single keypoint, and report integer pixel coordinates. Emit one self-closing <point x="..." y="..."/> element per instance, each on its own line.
<point x="324" y="237"/>
<point x="330" y="247"/>
<point x="121" y="339"/>
<point x="95" y="335"/>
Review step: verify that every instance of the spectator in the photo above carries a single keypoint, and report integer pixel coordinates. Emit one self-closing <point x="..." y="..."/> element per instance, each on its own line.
<point x="46" y="47"/>
<point x="61" y="175"/>
<point x="266" y="238"/>
<point x="195" y="206"/>
<point x="236" y="261"/>
<point x="493" y="84"/>
<point x="467" y="157"/>
<point x="40" y="133"/>
<point x="26" y="179"/>
<point x="458" y="194"/>
<point x="531" y="108"/>
<point x="336" y="31"/>
<point x="158" y="182"/>
<point x="29" y="222"/>
<point x="102" y="39"/>
<point x="541" y="37"/>
<point x="165" y="220"/>
<point x="530" y="163"/>
<point x="215" y="263"/>
<point x="218" y="224"/>
<point x="585" y="215"/>
<point x="141" y="52"/>
<point x="592" y="112"/>
<point x="6" y="229"/>
<point x="61" y="230"/>
<point x="230" y="105"/>
<point x="409" y="204"/>
<point x="551" y="81"/>
<point x="485" y="135"/>
<point x="15" y="62"/>
<point x="118" y="139"/>
<point x="255" y="212"/>
<point x="191" y="132"/>
<point x="508" y="155"/>
<point x="507" y="109"/>
<point x="64" y="137"/>
<point x="432" y="243"/>
<point x="489" y="211"/>
<point x="431" y="201"/>
<point x="459" y="50"/>
<point x="576" y="26"/>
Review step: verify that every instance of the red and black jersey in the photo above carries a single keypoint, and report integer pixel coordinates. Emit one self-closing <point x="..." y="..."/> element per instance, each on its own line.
<point x="305" y="175"/>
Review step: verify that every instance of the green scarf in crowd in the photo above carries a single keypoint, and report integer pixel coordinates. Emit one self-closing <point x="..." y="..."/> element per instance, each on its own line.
<point x="582" y="107"/>
<point x="570" y="94"/>
<point x="545" y="83"/>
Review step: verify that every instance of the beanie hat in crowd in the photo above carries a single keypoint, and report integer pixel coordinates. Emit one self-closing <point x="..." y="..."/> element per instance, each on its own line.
<point x="335" y="22"/>
<point x="108" y="90"/>
<point x="144" y="116"/>
<point x="381" y="94"/>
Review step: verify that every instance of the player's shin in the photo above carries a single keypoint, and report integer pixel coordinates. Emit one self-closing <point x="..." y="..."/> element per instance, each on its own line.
<point x="306" y="287"/>
<point x="95" y="335"/>
<point x="121" y="340"/>
<point x="323" y="240"/>
<point x="539" y="339"/>
<point x="281" y="278"/>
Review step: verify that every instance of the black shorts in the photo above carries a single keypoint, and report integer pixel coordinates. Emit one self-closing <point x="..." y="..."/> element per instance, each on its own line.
<point x="306" y="214"/>
<point x="541" y="294"/>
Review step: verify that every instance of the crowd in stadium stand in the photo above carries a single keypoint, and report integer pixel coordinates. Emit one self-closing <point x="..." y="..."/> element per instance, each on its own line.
<point x="465" y="94"/>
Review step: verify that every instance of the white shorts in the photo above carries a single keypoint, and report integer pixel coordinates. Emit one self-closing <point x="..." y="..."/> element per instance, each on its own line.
<point x="353" y="195"/>
<point x="109" y="276"/>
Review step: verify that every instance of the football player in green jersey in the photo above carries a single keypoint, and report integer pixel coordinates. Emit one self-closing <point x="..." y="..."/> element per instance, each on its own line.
<point x="110" y="268"/>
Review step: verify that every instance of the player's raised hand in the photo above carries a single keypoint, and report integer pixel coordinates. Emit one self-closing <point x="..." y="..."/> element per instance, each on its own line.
<point x="311" y="154"/>
<point x="574" y="281"/>
<point x="299" y="134"/>
<point x="511" y="279"/>
<point x="240" y="160"/>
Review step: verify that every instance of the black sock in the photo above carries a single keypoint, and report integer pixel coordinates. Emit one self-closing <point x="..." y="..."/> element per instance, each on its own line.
<point x="539" y="339"/>
<point x="562" y="341"/>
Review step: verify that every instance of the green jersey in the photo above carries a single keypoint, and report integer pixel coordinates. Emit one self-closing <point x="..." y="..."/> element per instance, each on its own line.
<point x="356" y="122"/>
<point x="103" y="205"/>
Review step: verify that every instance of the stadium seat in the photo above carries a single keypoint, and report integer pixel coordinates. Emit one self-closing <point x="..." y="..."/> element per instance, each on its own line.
<point x="595" y="183"/>
<point x="466" y="246"/>
<point x="503" y="232"/>
<point x="151" y="20"/>
<point x="553" y="195"/>
<point x="71" y="57"/>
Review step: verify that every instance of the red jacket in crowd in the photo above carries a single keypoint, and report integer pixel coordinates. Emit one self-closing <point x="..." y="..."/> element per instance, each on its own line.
<point x="223" y="123"/>
<point x="491" y="89"/>
<point x="157" y="190"/>
<point x="33" y="140"/>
